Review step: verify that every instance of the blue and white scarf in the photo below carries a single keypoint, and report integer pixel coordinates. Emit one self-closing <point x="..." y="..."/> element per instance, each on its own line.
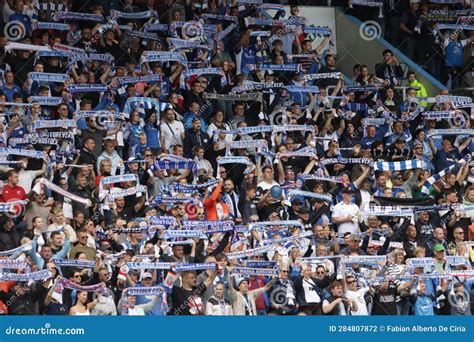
<point x="53" y="187"/>
<point x="203" y="71"/>
<point x="137" y="15"/>
<point x="439" y="115"/>
<point x="13" y="264"/>
<point x="193" y="187"/>
<point x="48" y="77"/>
<point x="234" y="97"/>
<point x="249" y="21"/>
<point x="76" y="16"/>
<point x="302" y="178"/>
<point x="274" y="67"/>
<point x="451" y="98"/>
<point x="399" y="165"/>
<point x="219" y="17"/>
<point x="330" y="161"/>
<point x="250" y="252"/>
<point x="33" y="276"/>
<point x="441" y="26"/>
<point x="20" y="152"/>
<point x="74" y="263"/>
<point x="361" y="89"/>
<point x="393" y="212"/>
<point x="40" y="124"/>
<point x="256" y="86"/>
<point x="284" y="223"/>
<point x="290" y="238"/>
<point x="311" y="77"/>
<point x="260" y="263"/>
<point x="173" y="165"/>
<point x="129" y="177"/>
<point x="365" y="260"/>
<point x="153" y="78"/>
<point x="145" y="291"/>
<point x="174" y="234"/>
<point x="244" y="144"/>
<point x="39" y="25"/>
<point x="321" y="197"/>
<point x="82" y="57"/>
<point x="156" y="27"/>
<point x="453" y="131"/>
<point x="46" y="100"/>
<point x="425" y="189"/>
<point x="183" y="43"/>
<point x="51" y="53"/>
<point x="122" y="193"/>
<point x="84" y="88"/>
<point x="95" y="113"/>
<point x="234" y="160"/>
<point x="163" y="56"/>
<point x="317" y="30"/>
<point x="18" y="250"/>
<point x="303" y="89"/>
<point x="163" y="220"/>
<point x="173" y="200"/>
<point x="194" y="267"/>
<point x="206" y="225"/>
<point x="250" y="271"/>
<point x="149" y="265"/>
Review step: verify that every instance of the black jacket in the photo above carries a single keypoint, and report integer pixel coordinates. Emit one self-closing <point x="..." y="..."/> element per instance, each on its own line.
<point x="9" y="239"/>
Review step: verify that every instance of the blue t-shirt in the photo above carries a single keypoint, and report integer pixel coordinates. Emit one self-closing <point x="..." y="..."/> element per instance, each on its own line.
<point x="453" y="54"/>
<point x="24" y="19"/>
<point x="9" y="92"/>
<point x="152" y="136"/>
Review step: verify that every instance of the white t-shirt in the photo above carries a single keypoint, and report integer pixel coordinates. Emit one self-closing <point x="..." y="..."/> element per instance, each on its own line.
<point x="342" y="210"/>
<point x="266" y="186"/>
<point x="358" y="297"/>
<point x="172" y="136"/>
<point x="310" y="293"/>
<point x="26" y="179"/>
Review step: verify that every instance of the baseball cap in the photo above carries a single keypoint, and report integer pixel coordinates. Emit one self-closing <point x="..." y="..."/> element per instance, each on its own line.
<point x="439" y="248"/>
<point x="147" y="275"/>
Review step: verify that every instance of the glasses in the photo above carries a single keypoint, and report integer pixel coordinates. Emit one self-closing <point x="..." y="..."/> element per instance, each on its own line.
<point x="351" y="282"/>
<point x="284" y="271"/>
<point x="461" y="233"/>
<point x="399" y="178"/>
<point x="77" y="276"/>
<point x="200" y="214"/>
<point x="148" y="155"/>
<point x="320" y="272"/>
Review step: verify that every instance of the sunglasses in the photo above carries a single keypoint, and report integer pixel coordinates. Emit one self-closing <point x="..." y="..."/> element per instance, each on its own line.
<point x="320" y="272"/>
<point x="351" y="282"/>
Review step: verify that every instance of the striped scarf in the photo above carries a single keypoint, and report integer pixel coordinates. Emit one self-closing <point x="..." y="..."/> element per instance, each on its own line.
<point x="399" y="165"/>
